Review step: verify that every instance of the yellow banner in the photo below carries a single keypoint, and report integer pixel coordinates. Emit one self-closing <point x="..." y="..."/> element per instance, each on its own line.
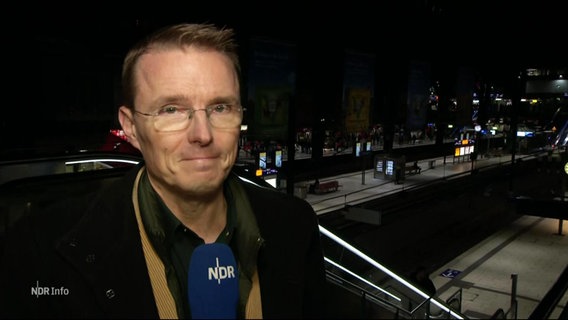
<point x="358" y="109"/>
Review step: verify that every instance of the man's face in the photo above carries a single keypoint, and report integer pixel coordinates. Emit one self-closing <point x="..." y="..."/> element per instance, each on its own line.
<point x="195" y="160"/>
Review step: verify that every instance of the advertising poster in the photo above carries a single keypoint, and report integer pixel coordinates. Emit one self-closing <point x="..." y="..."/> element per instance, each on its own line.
<point x="271" y="83"/>
<point x="358" y="84"/>
<point x="419" y="83"/>
<point x="358" y="110"/>
<point x="271" y="110"/>
<point x="262" y="160"/>
<point x="278" y="158"/>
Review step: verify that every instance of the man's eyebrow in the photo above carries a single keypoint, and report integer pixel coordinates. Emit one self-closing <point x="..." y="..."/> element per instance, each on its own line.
<point x="224" y="99"/>
<point x="186" y="101"/>
<point x="178" y="99"/>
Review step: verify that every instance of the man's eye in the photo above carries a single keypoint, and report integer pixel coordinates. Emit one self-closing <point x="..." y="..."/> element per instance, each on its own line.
<point x="171" y="109"/>
<point x="221" y="108"/>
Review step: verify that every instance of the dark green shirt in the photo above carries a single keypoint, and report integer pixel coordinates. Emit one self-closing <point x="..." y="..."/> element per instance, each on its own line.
<point x="174" y="242"/>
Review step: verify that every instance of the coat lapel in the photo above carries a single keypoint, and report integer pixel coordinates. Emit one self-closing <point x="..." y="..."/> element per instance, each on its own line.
<point x="105" y="247"/>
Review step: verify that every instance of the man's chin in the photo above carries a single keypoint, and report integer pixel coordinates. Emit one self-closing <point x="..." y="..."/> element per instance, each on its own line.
<point x="205" y="176"/>
<point x="205" y="172"/>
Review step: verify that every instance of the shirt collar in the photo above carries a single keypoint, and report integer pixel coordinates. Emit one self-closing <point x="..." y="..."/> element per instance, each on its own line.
<point x="160" y="223"/>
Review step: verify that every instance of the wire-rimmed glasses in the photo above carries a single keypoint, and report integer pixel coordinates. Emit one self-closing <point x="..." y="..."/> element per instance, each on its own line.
<point x="174" y="117"/>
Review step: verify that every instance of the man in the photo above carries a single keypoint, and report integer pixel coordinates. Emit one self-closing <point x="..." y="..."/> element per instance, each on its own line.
<point x="127" y="251"/>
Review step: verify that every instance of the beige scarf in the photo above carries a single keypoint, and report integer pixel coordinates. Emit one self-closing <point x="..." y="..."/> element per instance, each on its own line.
<point x="164" y="299"/>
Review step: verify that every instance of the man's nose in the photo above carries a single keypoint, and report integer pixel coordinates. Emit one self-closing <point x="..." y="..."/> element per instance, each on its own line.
<point x="200" y="127"/>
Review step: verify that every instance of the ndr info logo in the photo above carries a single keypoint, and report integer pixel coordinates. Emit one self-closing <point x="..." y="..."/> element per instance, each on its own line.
<point x="48" y="291"/>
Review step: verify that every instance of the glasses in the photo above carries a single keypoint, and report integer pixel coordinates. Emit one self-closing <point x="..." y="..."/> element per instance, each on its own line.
<point x="174" y="117"/>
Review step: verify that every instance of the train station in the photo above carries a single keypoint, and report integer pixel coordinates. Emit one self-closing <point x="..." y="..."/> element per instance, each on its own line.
<point x="431" y="146"/>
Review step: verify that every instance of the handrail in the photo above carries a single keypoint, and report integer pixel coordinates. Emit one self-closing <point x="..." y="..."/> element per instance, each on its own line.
<point x="362" y="279"/>
<point x="369" y="296"/>
<point x="377" y="265"/>
<point x="70" y="157"/>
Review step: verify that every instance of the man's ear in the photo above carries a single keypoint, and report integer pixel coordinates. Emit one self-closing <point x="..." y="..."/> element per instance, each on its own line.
<point x="126" y="118"/>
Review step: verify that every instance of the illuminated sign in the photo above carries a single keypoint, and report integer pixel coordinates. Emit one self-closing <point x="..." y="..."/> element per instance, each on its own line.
<point x="278" y="158"/>
<point x="262" y="160"/>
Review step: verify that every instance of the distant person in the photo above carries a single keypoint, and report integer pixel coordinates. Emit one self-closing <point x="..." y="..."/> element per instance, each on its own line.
<point x="143" y="246"/>
<point x="416" y="167"/>
<point x="314" y="186"/>
<point x="397" y="174"/>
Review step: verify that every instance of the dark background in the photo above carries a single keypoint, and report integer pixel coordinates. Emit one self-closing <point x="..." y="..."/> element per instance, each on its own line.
<point x="63" y="60"/>
<point x="488" y="30"/>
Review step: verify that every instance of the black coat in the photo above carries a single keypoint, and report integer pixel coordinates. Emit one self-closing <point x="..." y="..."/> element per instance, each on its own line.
<point x="83" y="258"/>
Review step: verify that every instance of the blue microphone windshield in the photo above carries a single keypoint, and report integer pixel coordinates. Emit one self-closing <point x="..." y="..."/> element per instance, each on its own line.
<point x="213" y="285"/>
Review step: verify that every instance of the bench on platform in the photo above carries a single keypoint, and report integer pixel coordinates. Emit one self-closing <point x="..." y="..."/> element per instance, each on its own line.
<point x="413" y="168"/>
<point x="326" y="187"/>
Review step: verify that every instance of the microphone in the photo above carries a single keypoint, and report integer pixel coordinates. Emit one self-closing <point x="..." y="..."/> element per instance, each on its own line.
<point x="213" y="285"/>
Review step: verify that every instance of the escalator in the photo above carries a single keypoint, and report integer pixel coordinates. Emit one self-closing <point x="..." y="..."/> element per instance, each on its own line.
<point x="360" y="287"/>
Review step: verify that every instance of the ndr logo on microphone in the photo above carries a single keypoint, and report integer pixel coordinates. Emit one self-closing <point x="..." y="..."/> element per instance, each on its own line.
<point x="48" y="291"/>
<point x="221" y="272"/>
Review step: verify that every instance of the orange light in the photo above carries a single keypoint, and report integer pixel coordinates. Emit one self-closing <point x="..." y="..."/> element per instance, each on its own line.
<point x="258" y="172"/>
